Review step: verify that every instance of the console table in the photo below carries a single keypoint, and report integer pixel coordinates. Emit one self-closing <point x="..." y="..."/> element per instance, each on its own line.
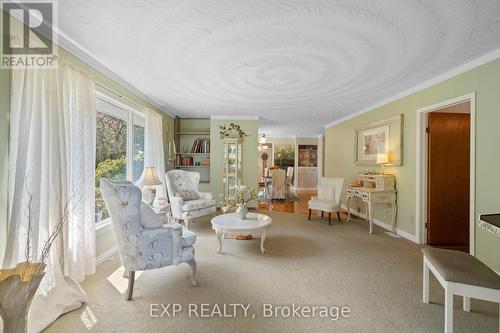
<point x="376" y="189"/>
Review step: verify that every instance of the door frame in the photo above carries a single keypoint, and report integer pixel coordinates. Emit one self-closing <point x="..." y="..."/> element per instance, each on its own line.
<point x="421" y="166"/>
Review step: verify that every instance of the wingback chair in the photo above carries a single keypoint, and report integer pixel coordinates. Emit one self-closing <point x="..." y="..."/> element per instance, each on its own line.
<point x="144" y="241"/>
<point x="328" y="199"/>
<point x="186" y="202"/>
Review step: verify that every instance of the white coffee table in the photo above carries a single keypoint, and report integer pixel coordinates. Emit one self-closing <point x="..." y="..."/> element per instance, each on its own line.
<point x="229" y="224"/>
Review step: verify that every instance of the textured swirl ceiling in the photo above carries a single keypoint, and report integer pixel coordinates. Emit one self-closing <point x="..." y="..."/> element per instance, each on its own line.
<point x="296" y="64"/>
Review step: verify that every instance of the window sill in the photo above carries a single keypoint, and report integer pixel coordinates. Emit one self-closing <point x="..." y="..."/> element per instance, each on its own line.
<point x="103" y="226"/>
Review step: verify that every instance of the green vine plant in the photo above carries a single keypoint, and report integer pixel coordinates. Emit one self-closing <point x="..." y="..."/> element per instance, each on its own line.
<point x="226" y="131"/>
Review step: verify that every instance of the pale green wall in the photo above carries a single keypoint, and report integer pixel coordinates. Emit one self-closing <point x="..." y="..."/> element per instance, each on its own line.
<point x="485" y="81"/>
<point x="249" y="158"/>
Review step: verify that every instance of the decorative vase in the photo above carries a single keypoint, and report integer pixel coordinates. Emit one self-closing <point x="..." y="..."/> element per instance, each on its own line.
<point x="17" y="287"/>
<point x="242" y="211"/>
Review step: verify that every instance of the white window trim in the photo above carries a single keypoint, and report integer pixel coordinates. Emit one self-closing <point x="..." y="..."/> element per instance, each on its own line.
<point x="105" y="225"/>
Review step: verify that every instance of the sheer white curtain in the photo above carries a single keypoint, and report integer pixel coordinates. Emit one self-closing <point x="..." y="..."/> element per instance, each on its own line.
<point x="154" y="155"/>
<point x="52" y="155"/>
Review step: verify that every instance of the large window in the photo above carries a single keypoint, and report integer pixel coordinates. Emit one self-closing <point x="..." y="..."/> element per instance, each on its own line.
<point x="119" y="146"/>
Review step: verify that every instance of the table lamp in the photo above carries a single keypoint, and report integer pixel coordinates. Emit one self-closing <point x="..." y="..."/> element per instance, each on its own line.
<point x="382" y="159"/>
<point x="149" y="181"/>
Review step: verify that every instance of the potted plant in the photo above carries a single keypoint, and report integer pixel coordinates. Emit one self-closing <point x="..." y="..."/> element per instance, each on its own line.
<point x="232" y="131"/>
<point x="244" y="195"/>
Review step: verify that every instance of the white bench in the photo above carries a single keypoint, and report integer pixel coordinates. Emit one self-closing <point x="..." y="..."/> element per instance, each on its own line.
<point x="460" y="274"/>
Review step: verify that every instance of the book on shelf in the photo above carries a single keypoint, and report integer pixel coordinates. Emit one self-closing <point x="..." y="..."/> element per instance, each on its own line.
<point x="201" y="146"/>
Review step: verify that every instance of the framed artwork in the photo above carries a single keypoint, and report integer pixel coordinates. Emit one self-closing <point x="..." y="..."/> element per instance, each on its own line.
<point x="381" y="137"/>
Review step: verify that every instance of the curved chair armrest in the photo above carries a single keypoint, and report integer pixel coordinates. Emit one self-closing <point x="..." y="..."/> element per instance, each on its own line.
<point x="314" y="198"/>
<point x="172" y="229"/>
<point x="206" y="195"/>
<point x="176" y="204"/>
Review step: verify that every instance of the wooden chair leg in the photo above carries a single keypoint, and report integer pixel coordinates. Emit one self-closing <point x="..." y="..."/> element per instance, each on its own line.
<point x="338" y="216"/>
<point x="322" y="213"/>
<point x="130" y="289"/>
<point x="329" y="218"/>
<point x="309" y="218"/>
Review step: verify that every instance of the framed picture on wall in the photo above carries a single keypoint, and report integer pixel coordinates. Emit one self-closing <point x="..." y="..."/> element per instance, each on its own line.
<point x="381" y="137"/>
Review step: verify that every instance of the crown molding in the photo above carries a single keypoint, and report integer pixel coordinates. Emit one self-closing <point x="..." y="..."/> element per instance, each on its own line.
<point x="488" y="57"/>
<point x="234" y="118"/>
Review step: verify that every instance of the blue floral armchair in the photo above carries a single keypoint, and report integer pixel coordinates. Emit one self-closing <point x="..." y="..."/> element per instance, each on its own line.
<point x="144" y="241"/>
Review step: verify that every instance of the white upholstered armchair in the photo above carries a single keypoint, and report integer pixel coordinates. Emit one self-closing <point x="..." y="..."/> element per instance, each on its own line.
<point x="186" y="202"/>
<point x="144" y="241"/>
<point x="328" y="199"/>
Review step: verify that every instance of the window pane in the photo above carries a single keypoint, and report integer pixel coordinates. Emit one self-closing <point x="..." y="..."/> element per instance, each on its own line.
<point x="111" y="150"/>
<point x="138" y="151"/>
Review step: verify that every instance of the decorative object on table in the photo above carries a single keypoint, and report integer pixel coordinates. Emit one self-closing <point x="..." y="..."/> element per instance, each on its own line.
<point x="231" y="131"/>
<point x="244" y="195"/>
<point x="143" y="240"/>
<point x="381" y="137"/>
<point x="229" y="225"/>
<point x="382" y="159"/>
<point x="150" y="181"/>
<point x="233" y="172"/>
<point x="186" y="210"/>
<point x="356" y="183"/>
<point x="18" y="285"/>
<point x="328" y="198"/>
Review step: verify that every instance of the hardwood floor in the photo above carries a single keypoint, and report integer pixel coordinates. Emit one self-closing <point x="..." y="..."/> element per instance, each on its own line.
<point x="299" y="207"/>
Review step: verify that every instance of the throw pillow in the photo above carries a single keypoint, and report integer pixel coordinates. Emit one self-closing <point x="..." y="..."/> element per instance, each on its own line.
<point x="188" y="195"/>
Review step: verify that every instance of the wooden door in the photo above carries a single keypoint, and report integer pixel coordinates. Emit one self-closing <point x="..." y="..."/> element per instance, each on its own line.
<point x="448" y="179"/>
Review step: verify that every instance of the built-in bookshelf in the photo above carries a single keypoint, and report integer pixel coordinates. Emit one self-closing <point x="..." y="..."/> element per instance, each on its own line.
<point x="192" y="139"/>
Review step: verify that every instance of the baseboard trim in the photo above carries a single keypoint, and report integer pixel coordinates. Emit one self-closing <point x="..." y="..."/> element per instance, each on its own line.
<point x="106" y="255"/>
<point x="400" y="232"/>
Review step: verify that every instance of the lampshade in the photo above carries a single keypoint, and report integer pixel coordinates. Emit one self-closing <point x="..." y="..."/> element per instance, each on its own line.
<point x="150" y="177"/>
<point x="382" y="159"/>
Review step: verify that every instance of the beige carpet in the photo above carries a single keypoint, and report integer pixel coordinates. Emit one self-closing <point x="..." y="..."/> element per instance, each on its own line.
<point x="307" y="263"/>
